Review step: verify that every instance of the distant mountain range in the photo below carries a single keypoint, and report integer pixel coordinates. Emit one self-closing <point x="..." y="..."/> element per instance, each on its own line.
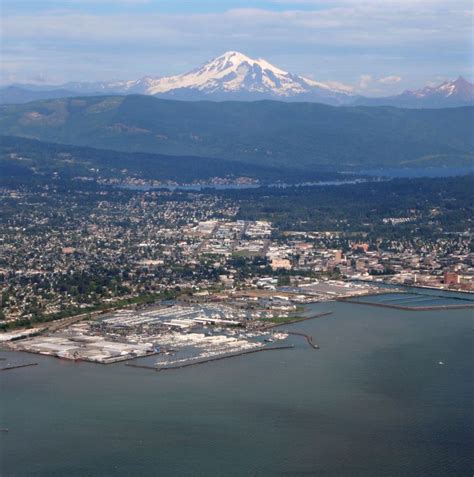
<point x="235" y="76"/>
<point x="448" y="94"/>
<point x="309" y="136"/>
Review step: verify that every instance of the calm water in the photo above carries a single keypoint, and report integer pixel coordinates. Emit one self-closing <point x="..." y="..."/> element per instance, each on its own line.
<point x="373" y="401"/>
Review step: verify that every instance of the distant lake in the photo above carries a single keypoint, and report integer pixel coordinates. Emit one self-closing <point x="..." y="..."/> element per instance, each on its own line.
<point x="390" y="393"/>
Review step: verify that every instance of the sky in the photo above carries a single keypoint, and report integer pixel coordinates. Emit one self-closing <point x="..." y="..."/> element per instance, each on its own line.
<point x="374" y="47"/>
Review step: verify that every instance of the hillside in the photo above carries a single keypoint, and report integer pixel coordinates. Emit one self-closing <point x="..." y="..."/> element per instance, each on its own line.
<point x="28" y="159"/>
<point x="307" y="135"/>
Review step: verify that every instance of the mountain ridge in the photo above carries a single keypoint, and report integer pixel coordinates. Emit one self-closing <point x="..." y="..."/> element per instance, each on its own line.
<point x="235" y="76"/>
<point x="459" y="92"/>
<point x="305" y="135"/>
<point x="231" y="74"/>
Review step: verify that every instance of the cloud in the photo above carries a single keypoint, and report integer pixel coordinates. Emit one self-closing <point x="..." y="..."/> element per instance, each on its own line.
<point x="338" y="40"/>
<point x="340" y="86"/>
<point x="390" y="79"/>
<point x="369" y="83"/>
<point x="365" y="81"/>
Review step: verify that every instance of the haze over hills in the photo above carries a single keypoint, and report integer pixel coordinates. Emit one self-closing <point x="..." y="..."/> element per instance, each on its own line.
<point x="235" y="76"/>
<point x="448" y="94"/>
<point x="274" y="133"/>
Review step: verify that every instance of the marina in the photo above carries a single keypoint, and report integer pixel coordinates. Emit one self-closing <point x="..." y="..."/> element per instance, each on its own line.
<point x="174" y="334"/>
<point x="377" y="374"/>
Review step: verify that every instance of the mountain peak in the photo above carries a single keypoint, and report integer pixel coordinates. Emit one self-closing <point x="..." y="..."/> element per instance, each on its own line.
<point x="235" y="59"/>
<point x="233" y="55"/>
<point x="459" y="89"/>
<point x="231" y="75"/>
<point x="236" y="73"/>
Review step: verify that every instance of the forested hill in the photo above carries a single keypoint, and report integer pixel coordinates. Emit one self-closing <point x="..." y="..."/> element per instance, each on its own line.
<point x="263" y="132"/>
<point x="24" y="159"/>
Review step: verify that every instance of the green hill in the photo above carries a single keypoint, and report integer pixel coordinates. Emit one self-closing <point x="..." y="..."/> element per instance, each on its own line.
<point x="306" y="135"/>
<point x="24" y="159"/>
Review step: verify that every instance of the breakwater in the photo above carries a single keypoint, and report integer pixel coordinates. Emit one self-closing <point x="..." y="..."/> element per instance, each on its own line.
<point x="185" y="365"/>
<point x="299" y="320"/>
<point x="419" y="289"/>
<point x="406" y="307"/>
<point x="209" y="360"/>
<point x="308" y="338"/>
<point x="141" y="366"/>
<point x="17" y="366"/>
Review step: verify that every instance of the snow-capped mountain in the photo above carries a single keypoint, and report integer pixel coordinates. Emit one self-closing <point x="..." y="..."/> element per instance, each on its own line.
<point x="459" y="92"/>
<point x="459" y="89"/>
<point x="236" y="73"/>
<point x="232" y="75"/>
<point x="235" y="76"/>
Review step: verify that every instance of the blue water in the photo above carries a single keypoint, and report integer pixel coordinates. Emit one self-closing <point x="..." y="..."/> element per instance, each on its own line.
<point x="373" y="401"/>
